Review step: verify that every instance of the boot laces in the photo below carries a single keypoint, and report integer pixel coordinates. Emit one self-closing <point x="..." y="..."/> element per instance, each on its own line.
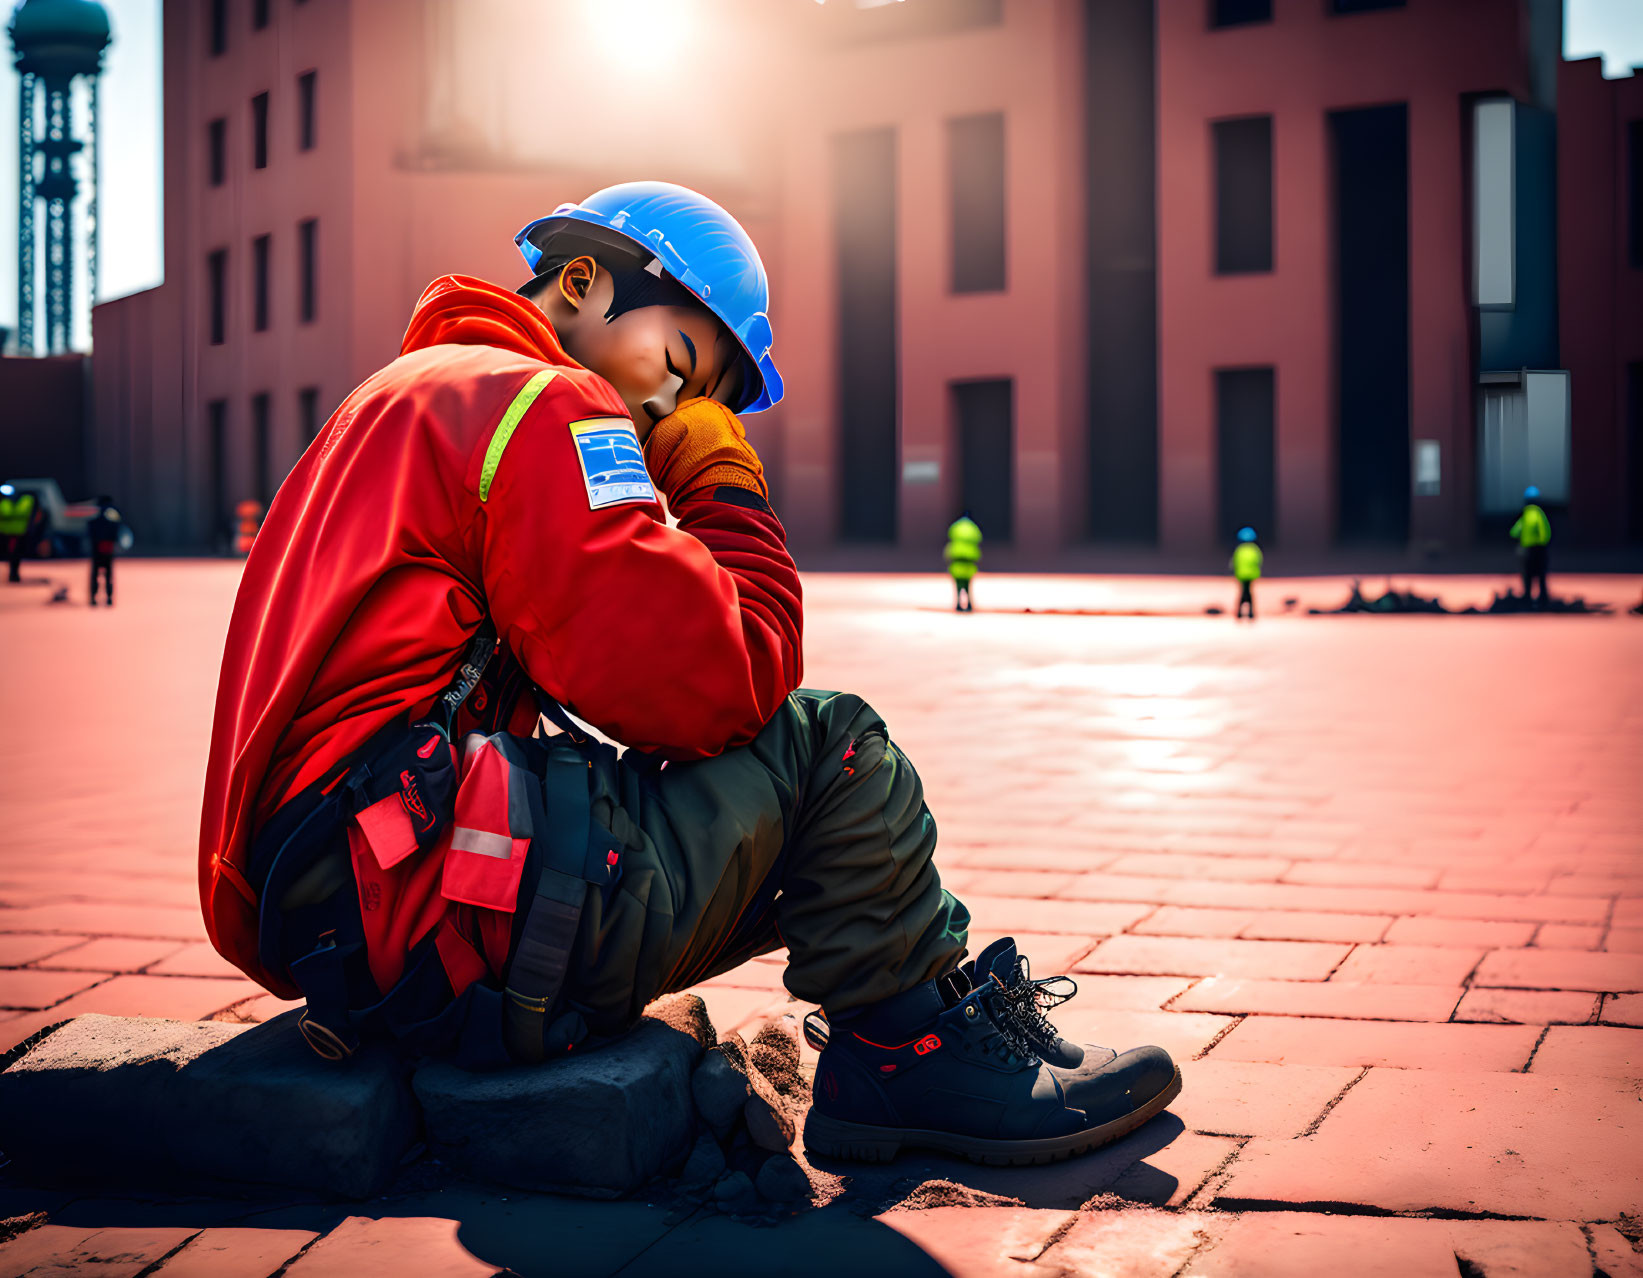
<point x="1032" y="999"/>
<point x="1014" y="1035"/>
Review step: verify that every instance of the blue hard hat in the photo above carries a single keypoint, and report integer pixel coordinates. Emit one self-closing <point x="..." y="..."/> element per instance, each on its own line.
<point x="1531" y="493"/>
<point x="697" y="243"/>
<point x="1246" y="534"/>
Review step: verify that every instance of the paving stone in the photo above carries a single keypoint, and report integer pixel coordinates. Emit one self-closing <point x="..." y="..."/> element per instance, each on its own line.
<point x="1623" y="1009"/>
<point x="599" y="1123"/>
<point x="1419" y="1140"/>
<point x="1624" y="940"/>
<point x="1177" y="920"/>
<point x="113" y="1100"/>
<point x="1016" y="881"/>
<point x="104" y="919"/>
<point x="1050" y="953"/>
<point x="394" y="1247"/>
<point x="1520" y="1248"/>
<point x="1172" y="1175"/>
<point x="57" y="1251"/>
<point x="1282" y="1244"/>
<point x="237" y="1253"/>
<point x="1526" y="1007"/>
<point x="194" y="960"/>
<point x="1172" y="956"/>
<point x="1568" y="936"/>
<point x="1182" y="1034"/>
<point x="980" y="1242"/>
<point x="1320" y="998"/>
<point x="1457" y="933"/>
<point x="1128" y="1243"/>
<point x="1408" y="965"/>
<point x="1361" y="874"/>
<point x="1248" y="1098"/>
<point x="1590" y="1049"/>
<point x="1301" y="925"/>
<point x="1136" y="993"/>
<point x="1613" y="1253"/>
<point x="110" y="954"/>
<point x="1399" y="1044"/>
<point x="1562" y="970"/>
<point x="1233" y="868"/>
<point x="993" y="916"/>
<point x="17" y="948"/>
<point x="28" y="989"/>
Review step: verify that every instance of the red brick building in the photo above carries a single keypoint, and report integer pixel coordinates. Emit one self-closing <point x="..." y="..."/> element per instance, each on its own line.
<point x="1107" y="271"/>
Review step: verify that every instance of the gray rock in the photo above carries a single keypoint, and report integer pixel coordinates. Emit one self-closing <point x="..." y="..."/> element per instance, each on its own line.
<point x="769" y="1118"/>
<point x="599" y="1123"/>
<point x="735" y="1192"/>
<point x="720" y="1086"/>
<point x="705" y="1164"/>
<point x="782" y="1180"/>
<point x="685" y="1013"/>
<point x="136" y="1101"/>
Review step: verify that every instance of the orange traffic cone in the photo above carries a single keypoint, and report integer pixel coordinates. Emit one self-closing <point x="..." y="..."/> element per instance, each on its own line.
<point x="249" y="515"/>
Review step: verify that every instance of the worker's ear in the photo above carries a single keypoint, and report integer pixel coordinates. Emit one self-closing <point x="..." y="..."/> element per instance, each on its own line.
<point x="576" y="279"/>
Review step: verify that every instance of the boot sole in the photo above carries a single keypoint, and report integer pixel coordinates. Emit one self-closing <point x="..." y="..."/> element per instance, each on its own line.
<point x="860" y="1142"/>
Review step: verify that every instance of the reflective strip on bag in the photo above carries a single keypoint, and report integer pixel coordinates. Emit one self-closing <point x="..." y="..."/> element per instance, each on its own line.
<point x="481" y="842"/>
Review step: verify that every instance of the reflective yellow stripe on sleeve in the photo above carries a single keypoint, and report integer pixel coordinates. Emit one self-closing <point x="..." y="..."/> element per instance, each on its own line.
<point x="506" y="427"/>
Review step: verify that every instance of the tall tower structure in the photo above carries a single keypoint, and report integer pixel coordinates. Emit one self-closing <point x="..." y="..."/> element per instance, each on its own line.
<point x="55" y="41"/>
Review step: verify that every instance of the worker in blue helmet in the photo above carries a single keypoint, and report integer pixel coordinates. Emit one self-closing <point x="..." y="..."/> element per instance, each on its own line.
<point x="1533" y="534"/>
<point x="1246" y="570"/>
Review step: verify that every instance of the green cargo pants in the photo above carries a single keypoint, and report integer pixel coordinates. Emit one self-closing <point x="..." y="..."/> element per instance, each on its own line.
<point x="814" y="835"/>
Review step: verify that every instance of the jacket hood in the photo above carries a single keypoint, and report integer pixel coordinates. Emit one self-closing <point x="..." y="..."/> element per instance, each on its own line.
<point x="462" y="310"/>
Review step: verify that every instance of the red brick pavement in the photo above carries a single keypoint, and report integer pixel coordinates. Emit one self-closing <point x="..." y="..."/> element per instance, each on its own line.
<point x="1378" y="882"/>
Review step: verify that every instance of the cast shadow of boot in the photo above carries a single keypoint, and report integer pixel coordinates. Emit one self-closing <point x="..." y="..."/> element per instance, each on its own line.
<point x="927" y="1180"/>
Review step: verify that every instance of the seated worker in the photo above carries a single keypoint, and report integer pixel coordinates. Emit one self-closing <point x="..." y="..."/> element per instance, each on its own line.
<point x="476" y="540"/>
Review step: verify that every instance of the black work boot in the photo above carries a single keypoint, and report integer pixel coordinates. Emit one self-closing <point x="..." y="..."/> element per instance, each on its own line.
<point x="951" y="1065"/>
<point x="1033" y="999"/>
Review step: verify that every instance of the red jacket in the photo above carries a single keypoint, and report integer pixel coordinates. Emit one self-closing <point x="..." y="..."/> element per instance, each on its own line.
<point x="378" y="560"/>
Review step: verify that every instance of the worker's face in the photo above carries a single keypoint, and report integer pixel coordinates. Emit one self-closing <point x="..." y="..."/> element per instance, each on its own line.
<point x="656" y="357"/>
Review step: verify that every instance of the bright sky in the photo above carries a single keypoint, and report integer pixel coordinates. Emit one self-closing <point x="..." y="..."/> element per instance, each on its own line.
<point x="131" y="145"/>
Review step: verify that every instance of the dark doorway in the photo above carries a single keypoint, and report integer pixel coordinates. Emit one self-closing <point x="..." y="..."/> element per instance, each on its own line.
<point x="1371" y="248"/>
<point x="217" y="452"/>
<point x="864" y="219"/>
<point x="1245" y="410"/>
<point x="985" y="414"/>
<point x="1634" y="448"/>
<point x="1119" y="184"/>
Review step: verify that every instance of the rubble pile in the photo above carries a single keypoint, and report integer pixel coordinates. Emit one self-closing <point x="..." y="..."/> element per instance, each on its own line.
<point x="1392" y="600"/>
<point x="750" y="1100"/>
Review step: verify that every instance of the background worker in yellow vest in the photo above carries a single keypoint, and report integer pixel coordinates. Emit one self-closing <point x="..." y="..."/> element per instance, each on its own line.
<point x="16" y="518"/>
<point x="963" y="556"/>
<point x="1532" y="532"/>
<point x="1246" y="568"/>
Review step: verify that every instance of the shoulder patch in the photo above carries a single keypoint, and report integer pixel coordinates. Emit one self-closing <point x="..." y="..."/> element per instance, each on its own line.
<point x="613" y="463"/>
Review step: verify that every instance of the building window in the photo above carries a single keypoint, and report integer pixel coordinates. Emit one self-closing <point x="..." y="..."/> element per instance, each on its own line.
<point x="259" y="14"/>
<point x="308" y="250"/>
<point x="259" y="283"/>
<point x="975" y="152"/>
<point x="217" y="151"/>
<point x="217" y="429"/>
<point x="1363" y="6"/>
<point x="259" y="131"/>
<point x="1243" y="195"/>
<point x="1634" y="180"/>
<point x="309" y="420"/>
<point x="217" y="271"/>
<point x="1494" y="230"/>
<point x="305" y="111"/>
<point x="262" y="449"/>
<point x="1236" y="13"/>
<point x="219" y="27"/>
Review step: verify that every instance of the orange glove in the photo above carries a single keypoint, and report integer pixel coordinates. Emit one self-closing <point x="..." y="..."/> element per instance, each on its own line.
<point x="702" y="445"/>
